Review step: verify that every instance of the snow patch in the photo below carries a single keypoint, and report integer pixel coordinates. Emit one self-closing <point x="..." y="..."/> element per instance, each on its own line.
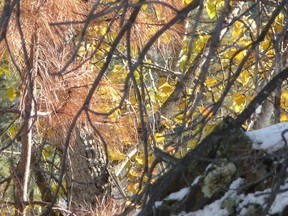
<point x="258" y="109"/>
<point x="179" y="195"/>
<point x="215" y="207"/>
<point x="259" y="197"/>
<point x="158" y="204"/>
<point x="270" y="138"/>
<point x="196" y="180"/>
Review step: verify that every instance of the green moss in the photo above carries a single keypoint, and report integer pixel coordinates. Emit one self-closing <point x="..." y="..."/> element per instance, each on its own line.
<point x="218" y="179"/>
<point x="230" y="205"/>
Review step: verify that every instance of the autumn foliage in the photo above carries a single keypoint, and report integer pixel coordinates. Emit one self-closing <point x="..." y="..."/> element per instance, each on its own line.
<point x="143" y="81"/>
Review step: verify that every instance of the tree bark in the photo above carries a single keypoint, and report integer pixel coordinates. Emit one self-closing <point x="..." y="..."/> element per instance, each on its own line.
<point x="88" y="173"/>
<point x="27" y="107"/>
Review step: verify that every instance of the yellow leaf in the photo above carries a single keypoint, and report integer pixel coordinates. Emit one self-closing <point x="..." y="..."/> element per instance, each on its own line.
<point x="115" y="155"/>
<point x="237" y="30"/>
<point x="284" y="99"/>
<point x="283" y="118"/>
<point x="239" y="57"/>
<point x="150" y="160"/>
<point x="161" y="81"/>
<point x="188" y="1"/>
<point x="210" y="82"/>
<point x="167" y="123"/>
<point x="239" y="99"/>
<point x="136" y="75"/>
<point x="211" y="9"/>
<point x="103" y="30"/>
<point x="200" y="42"/>
<point x="265" y="44"/>
<point x="144" y="7"/>
<point x="244" y="77"/>
<point x="11" y="94"/>
<point x="159" y="137"/>
<point x="132" y="187"/>
<point x="170" y="149"/>
<point x="179" y="118"/>
<point x="205" y="112"/>
<point x="160" y="97"/>
<point x="279" y="22"/>
<point x="133" y="173"/>
<point x="140" y="159"/>
<point x="182" y="105"/>
<point x="166" y="88"/>
<point x="13" y="130"/>
<point x="238" y="108"/>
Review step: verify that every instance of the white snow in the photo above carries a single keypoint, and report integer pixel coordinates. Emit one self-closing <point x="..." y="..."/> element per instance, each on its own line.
<point x="259" y="197"/>
<point x="215" y="207"/>
<point x="211" y="210"/>
<point x="269" y="138"/>
<point x="258" y="110"/>
<point x="179" y="195"/>
<point x="196" y="180"/>
<point x="280" y="202"/>
<point x="158" y="204"/>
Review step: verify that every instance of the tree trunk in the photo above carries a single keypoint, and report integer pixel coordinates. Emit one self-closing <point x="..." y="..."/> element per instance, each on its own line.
<point x="23" y="169"/>
<point x="262" y="119"/>
<point x="88" y="175"/>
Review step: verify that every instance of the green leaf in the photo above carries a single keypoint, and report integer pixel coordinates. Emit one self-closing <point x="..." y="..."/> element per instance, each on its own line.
<point x="47" y="151"/>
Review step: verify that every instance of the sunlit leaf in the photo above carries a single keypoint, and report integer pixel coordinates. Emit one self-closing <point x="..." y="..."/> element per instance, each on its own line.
<point x="11" y="94"/>
<point x="239" y="57"/>
<point x="205" y="112"/>
<point x="237" y="30"/>
<point x="133" y="173"/>
<point x="265" y="44"/>
<point x="161" y="81"/>
<point x="210" y="82"/>
<point x="132" y="187"/>
<point x="284" y="99"/>
<point x="159" y="137"/>
<point x="166" y="88"/>
<point x="279" y="22"/>
<point x="239" y="98"/>
<point x="238" y="108"/>
<point x="170" y="149"/>
<point x="140" y="159"/>
<point x="115" y="155"/>
<point x="13" y="130"/>
<point x="284" y="117"/>
<point x="46" y="151"/>
<point x="188" y="1"/>
<point x="136" y="75"/>
<point x="167" y="123"/>
<point x="151" y="158"/>
<point x="244" y="78"/>
<point x="144" y="7"/>
<point x="211" y="9"/>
